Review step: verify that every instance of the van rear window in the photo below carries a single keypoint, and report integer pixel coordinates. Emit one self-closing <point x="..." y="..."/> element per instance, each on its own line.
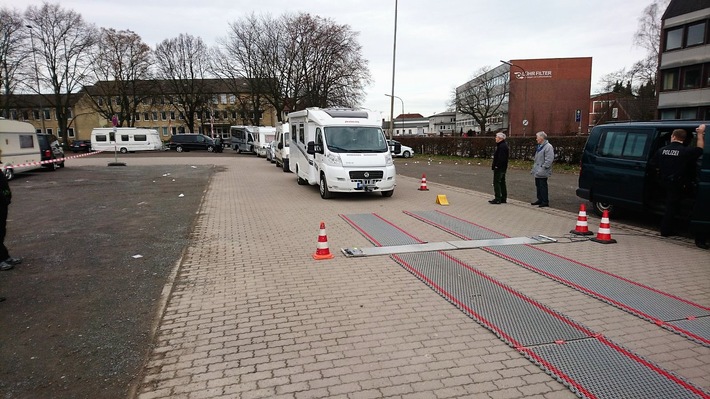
<point x="623" y="144"/>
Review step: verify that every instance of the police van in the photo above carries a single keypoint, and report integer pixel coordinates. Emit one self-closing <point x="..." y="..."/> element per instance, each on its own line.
<point x="616" y="170"/>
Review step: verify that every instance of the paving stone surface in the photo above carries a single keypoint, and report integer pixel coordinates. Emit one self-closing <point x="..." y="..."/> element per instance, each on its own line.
<point x="250" y="313"/>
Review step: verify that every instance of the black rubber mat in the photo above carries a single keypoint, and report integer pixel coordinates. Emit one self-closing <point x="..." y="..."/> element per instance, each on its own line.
<point x="675" y="314"/>
<point x="586" y="362"/>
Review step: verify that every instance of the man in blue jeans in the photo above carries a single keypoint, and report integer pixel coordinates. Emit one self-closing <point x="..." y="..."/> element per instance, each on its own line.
<point x="542" y="169"/>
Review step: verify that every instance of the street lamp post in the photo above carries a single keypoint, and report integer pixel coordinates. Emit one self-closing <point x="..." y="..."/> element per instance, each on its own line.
<point x="400" y="99"/>
<point x="394" y="58"/>
<point x="525" y="101"/>
<point x="39" y="93"/>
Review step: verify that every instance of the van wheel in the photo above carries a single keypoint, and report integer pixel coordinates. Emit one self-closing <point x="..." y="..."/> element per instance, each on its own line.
<point x="178" y="148"/>
<point x="284" y="166"/>
<point x="387" y="194"/>
<point x="9" y="173"/>
<point x="210" y="148"/>
<point x="600" y="207"/>
<point x="124" y="150"/>
<point x="61" y="165"/>
<point x="324" y="192"/>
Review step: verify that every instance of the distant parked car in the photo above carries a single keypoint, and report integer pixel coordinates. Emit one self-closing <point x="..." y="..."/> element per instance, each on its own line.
<point x="80" y="146"/>
<point x="406" y="152"/>
<point x="50" y="149"/>
<point x="270" y="150"/>
<point x="189" y="142"/>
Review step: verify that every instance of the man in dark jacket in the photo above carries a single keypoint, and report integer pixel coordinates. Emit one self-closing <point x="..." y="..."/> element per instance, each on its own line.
<point x="7" y="262"/>
<point x="500" y="166"/>
<point x="675" y="163"/>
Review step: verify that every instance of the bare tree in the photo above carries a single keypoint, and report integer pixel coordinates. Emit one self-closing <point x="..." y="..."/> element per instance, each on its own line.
<point x="64" y="45"/>
<point x="294" y="62"/>
<point x="482" y="97"/>
<point x="121" y="64"/>
<point x="14" y="45"/>
<point x="244" y="59"/>
<point x="183" y="65"/>
<point x="648" y="37"/>
<point x="330" y="63"/>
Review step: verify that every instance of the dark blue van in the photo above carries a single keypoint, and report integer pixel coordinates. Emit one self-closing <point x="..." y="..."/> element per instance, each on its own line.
<point x="616" y="172"/>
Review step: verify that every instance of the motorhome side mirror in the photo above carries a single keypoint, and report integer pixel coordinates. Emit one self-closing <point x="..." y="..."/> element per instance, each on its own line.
<point x="311" y="148"/>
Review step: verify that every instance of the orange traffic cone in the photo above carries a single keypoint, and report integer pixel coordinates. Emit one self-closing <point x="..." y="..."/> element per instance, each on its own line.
<point x="604" y="233"/>
<point x="322" y="251"/>
<point x="582" y="228"/>
<point x="423" y="187"/>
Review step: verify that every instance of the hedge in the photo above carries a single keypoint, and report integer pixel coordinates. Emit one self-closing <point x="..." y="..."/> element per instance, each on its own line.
<point x="568" y="149"/>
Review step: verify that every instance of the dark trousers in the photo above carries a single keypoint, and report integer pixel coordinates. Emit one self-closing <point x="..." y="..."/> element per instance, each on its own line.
<point x="674" y="191"/>
<point x="3" y="230"/>
<point x="541" y="188"/>
<point x="499" y="188"/>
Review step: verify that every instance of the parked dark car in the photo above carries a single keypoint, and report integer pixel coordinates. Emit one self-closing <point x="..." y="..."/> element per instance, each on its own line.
<point x="617" y="173"/>
<point x="80" y="146"/>
<point x="50" y="149"/>
<point x="190" y="142"/>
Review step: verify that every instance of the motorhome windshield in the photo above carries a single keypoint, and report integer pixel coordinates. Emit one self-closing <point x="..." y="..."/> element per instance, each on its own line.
<point x="355" y="139"/>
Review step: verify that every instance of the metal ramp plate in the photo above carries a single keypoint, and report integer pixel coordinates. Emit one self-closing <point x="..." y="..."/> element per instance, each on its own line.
<point x="444" y="246"/>
<point x="683" y="317"/>
<point x="592" y="366"/>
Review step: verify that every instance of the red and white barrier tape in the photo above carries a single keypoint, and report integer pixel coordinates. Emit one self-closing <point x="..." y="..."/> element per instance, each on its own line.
<point x="21" y="165"/>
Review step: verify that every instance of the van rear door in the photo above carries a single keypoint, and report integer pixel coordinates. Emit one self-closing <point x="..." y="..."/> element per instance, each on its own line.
<point x="700" y="216"/>
<point x="620" y="168"/>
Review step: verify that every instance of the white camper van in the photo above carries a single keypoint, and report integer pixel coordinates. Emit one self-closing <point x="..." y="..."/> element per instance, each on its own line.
<point x="125" y="139"/>
<point x="263" y="138"/>
<point x="242" y="138"/>
<point x="283" y="140"/>
<point x="341" y="150"/>
<point x="19" y="148"/>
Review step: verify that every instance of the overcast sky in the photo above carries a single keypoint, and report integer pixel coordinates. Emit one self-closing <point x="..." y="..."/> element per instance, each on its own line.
<point x="440" y="44"/>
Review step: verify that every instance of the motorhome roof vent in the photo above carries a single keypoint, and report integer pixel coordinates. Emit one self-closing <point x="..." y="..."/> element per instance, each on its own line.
<point x="345" y="113"/>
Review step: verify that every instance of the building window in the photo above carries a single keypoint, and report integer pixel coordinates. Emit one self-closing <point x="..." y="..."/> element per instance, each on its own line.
<point x="696" y="34"/>
<point x="674" y="39"/>
<point x="164" y="115"/>
<point x="70" y="132"/>
<point x="670" y="80"/>
<point x="692" y="77"/>
<point x="172" y="115"/>
<point x="47" y="113"/>
<point x="49" y="131"/>
<point x="146" y="116"/>
<point x="35" y="114"/>
<point x="136" y="116"/>
<point x="689" y="113"/>
<point x="223" y="98"/>
<point x="165" y="131"/>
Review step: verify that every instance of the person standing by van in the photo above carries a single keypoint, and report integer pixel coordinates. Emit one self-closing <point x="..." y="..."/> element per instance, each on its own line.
<point x="675" y="163"/>
<point x="542" y="169"/>
<point x="500" y="166"/>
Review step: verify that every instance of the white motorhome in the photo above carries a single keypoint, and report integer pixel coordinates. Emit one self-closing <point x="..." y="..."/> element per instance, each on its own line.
<point x="19" y="148"/>
<point x="283" y="140"/>
<point x="265" y="135"/>
<point x="242" y="138"/>
<point x="341" y="150"/>
<point x="125" y="139"/>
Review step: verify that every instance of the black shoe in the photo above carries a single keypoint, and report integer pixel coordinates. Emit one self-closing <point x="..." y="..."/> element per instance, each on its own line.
<point x="536" y="203"/>
<point x="503" y="201"/>
<point x="494" y="201"/>
<point x="701" y="245"/>
<point x="13" y="261"/>
<point x="5" y="266"/>
<point x="543" y="205"/>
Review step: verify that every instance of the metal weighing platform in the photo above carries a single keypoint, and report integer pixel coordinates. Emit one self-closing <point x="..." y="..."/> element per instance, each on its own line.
<point x="588" y="363"/>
